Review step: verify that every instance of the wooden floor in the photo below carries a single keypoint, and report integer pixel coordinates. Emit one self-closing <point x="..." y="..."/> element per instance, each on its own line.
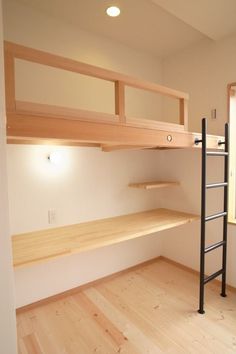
<point x="150" y="309"/>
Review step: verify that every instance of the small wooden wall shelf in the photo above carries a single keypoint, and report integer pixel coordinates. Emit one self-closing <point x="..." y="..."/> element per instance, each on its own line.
<point x="40" y="246"/>
<point x="153" y="185"/>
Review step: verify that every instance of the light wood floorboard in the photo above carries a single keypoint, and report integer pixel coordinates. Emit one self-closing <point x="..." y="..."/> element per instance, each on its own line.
<point x="148" y="310"/>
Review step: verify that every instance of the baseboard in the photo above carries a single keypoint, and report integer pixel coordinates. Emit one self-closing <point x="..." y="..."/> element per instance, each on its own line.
<point x="83" y="287"/>
<point x="193" y="271"/>
<point x="109" y="277"/>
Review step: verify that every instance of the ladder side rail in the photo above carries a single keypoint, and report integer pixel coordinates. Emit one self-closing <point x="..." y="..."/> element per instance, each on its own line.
<point x="225" y="221"/>
<point x="203" y="218"/>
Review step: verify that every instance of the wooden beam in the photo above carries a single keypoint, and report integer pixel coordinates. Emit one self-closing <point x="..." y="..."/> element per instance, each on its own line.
<point x="109" y="148"/>
<point x="34" y="141"/>
<point x="34" y="126"/>
<point x="154" y="124"/>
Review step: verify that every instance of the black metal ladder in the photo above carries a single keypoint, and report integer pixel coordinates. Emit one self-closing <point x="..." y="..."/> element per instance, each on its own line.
<point x="204" y="219"/>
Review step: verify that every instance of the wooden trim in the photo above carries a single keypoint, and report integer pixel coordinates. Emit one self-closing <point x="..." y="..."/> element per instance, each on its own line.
<point x="83" y="287"/>
<point x="232" y="92"/>
<point x="231" y="102"/>
<point x="33" y="141"/>
<point x="232" y="221"/>
<point x="183" y="113"/>
<point x="154" y="124"/>
<point x="9" y="81"/>
<point x="56" y="61"/>
<point x="120" y="100"/>
<point x="193" y="271"/>
<point x="35" y="126"/>
<point x="109" y="148"/>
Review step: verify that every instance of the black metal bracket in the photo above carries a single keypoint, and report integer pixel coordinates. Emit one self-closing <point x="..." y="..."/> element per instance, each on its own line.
<point x="197" y="141"/>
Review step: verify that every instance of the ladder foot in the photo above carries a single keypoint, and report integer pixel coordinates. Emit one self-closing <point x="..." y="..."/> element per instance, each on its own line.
<point x="223" y="295"/>
<point x="201" y="312"/>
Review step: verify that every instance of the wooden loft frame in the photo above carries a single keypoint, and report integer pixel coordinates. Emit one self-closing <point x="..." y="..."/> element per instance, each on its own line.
<point x="34" y="123"/>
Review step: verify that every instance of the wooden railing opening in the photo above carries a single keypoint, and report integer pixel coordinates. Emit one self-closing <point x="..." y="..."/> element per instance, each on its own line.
<point x="21" y="108"/>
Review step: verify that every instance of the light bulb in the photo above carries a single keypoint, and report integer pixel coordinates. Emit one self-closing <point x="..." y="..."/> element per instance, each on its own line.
<point x="113" y="11"/>
<point x="55" y="158"/>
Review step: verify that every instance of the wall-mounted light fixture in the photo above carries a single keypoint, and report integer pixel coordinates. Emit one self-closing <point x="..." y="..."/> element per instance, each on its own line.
<point x="55" y="158"/>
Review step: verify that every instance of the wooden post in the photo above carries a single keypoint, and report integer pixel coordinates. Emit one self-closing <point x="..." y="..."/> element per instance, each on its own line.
<point x="120" y="100"/>
<point x="9" y="82"/>
<point x="183" y="112"/>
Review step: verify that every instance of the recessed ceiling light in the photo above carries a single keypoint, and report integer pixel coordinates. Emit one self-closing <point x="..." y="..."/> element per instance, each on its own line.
<point x="113" y="11"/>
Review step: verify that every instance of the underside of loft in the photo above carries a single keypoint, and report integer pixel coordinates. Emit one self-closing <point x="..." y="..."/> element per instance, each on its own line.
<point x="35" y="123"/>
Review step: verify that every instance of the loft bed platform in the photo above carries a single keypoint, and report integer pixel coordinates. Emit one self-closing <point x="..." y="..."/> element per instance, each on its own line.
<point x="34" y="123"/>
<point x="41" y="246"/>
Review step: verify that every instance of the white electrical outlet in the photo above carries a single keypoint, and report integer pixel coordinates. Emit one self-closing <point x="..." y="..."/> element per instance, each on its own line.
<point x="51" y="216"/>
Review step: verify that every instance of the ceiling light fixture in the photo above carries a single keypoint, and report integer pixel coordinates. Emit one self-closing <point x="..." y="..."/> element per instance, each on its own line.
<point x="113" y="11"/>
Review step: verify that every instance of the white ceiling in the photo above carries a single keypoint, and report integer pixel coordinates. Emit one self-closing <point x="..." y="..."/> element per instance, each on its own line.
<point x="160" y="27"/>
<point x="214" y="18"/>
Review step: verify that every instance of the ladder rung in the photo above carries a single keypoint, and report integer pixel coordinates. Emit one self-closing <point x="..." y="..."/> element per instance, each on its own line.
<point x="213" y="276"/>
<point x="216" y="185"/>
<point x="213" y="247"/>
<point x="217" y="153"/>
<point x="215" y="216"/>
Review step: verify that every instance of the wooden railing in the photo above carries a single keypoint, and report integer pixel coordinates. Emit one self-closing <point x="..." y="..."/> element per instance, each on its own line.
<point x="15" y="51"/>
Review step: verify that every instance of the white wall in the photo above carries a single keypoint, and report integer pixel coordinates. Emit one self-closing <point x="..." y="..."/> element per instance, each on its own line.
<point x="7" y="313"/>
<point x="204" y="71"/>
<point x="89" y="184"/>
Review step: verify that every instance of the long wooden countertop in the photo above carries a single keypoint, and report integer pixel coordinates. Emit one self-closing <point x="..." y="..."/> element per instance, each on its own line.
<point x="40" y="246"/>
